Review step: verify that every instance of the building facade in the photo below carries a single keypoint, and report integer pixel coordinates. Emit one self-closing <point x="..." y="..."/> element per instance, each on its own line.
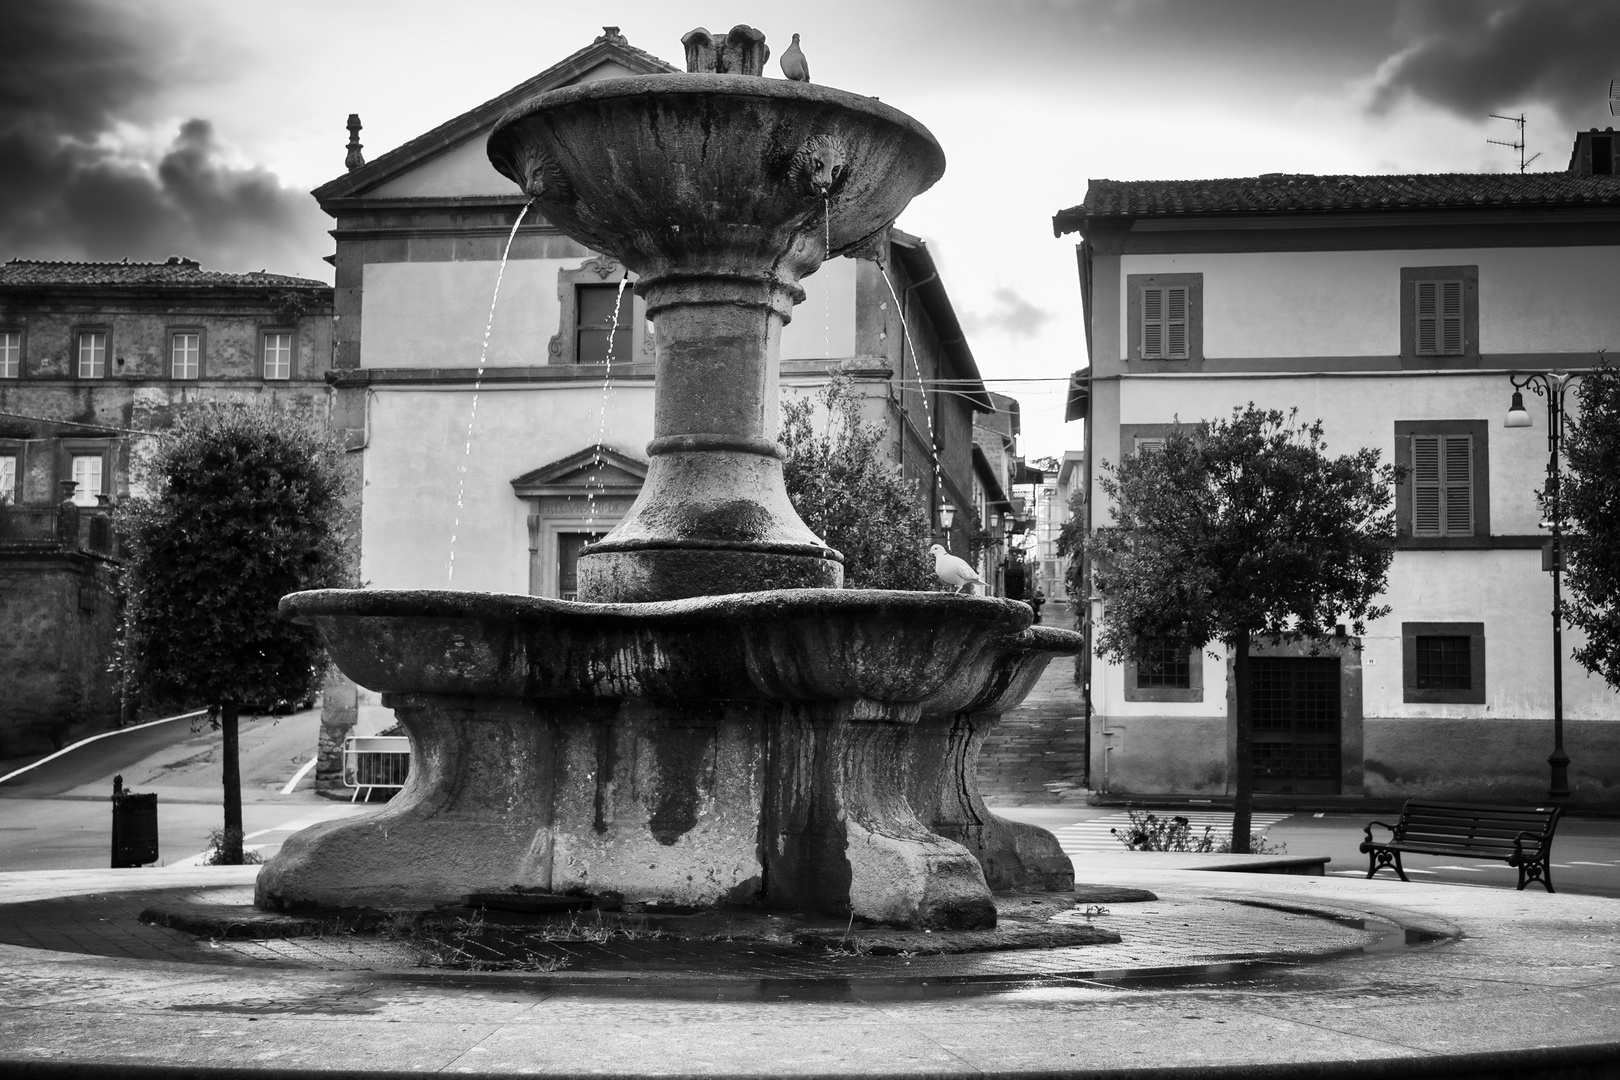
<point x="494" y="379"/>
<point x="1395" y="309"/>
<point x="94" y="358"/>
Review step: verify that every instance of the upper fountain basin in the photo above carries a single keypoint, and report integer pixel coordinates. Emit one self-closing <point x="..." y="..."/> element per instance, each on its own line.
<point x="693" y="172"/>
<point x="786" y="645"/>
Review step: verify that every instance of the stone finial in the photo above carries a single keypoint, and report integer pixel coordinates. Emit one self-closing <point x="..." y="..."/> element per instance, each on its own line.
<point x="743" y="52"/>
<point x="355" y="158"/>
<point x="611" y="35"/>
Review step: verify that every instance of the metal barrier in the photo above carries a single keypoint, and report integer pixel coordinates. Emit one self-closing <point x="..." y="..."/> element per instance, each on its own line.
<point x="375" y="761"/>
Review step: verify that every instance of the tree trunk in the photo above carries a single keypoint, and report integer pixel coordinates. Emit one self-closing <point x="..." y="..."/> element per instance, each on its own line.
<point x="230" y="851"/>
<point x="1243" y="767"/>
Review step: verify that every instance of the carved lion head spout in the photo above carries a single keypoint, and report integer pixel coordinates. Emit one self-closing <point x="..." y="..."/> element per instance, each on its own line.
<point x="819" y="165"/>
<point x="543" y="180"/>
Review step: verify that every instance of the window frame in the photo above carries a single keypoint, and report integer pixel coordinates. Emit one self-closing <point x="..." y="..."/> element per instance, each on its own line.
<point x="201" y="333"/>
<point x="1412" y="278"/>
<point x="79" y="334"/>
<point x="600" y="270"/>
<point x="265" y="333"/>
<point x="13" y="452"/>
<point x="1194" y="691"/>
<point x="1135" y="307"/>
<point x="1406" y="434"/>
<point x="22" y="349"/>
<point x="1412" y="694"/>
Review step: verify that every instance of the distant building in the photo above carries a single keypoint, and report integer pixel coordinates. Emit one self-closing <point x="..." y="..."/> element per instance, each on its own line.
<point x="92" y="357"/>
<point x="1395" y="309"/>
<point x="553" y="456"/>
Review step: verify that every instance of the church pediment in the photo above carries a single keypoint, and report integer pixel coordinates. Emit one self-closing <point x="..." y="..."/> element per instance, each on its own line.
<point x="610" y="55"/>
<point x="597" y="470"/>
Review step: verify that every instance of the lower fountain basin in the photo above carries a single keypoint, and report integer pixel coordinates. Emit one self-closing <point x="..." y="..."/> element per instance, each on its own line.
<point x="757" y="748"/>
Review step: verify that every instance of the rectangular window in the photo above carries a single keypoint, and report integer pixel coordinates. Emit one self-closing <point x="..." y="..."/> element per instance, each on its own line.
<point x="1440" y="318"/>
<point x="1166" y="665"/>
<point x="185" y="354"/>
<point x="1439" y="315"/>
<point x="92" y="354"/>
<point x="278" y="351"/>
<point x="1442" y="662"/>
<point x="604" y="321"/>
<point x="87" y="475"/>
<point x="10" y="354"/>
<point x="8" y="479"/>
<point x="1442" y="485"/>
<point x="1444" y="499"/>
<point x="1164" y="323"/>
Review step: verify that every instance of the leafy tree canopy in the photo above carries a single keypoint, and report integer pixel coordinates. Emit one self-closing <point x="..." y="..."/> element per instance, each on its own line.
<point x="844" y="487"/>
<point x="1238" y="528"/>
<point x="244" y="506"/>
<point x="1591" y="507"/>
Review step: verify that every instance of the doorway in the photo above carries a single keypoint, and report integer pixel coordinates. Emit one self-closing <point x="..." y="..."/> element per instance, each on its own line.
<point x="1296" y="710"/>
<point x="568" y="547"/>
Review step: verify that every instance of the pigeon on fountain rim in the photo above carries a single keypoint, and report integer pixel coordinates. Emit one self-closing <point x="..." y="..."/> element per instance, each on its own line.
<point x="953" y="571"/>
<point x="794" y="65"/>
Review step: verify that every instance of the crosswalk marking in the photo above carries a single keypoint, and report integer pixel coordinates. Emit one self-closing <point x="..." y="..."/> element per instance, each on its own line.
<point x="1093" y="835"/>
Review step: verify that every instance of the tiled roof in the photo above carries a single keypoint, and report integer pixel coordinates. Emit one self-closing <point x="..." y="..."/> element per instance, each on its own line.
<point x="177" y="273"/>
<point x="1305" y="193"/>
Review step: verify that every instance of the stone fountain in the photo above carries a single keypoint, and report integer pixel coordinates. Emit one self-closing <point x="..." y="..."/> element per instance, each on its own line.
<point x="715" y="722"/>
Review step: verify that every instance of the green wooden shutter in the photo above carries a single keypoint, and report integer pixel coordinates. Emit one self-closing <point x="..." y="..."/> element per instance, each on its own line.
<point x="1175" y="322"/>
<point x="1442" y="485"/>
<point x="1458" y="466"/>
<point x="1426" y="485"/>
<point x="1153" y="303"/>
<point x="1451" y="318"/>
<point x="1428" y="330"/>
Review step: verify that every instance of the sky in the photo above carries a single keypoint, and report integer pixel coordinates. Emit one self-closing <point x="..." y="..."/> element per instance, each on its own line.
<point x="149" y="128"/>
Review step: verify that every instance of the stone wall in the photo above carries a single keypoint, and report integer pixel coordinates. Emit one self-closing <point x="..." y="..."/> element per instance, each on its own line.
<point x="58" y="622"/>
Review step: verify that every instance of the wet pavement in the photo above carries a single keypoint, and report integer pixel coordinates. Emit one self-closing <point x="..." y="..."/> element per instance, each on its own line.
<point x="1225" y="974"/>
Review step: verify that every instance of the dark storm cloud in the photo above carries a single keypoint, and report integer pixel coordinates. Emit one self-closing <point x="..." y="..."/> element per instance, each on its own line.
<point x="1012" y="315"/>
<point x="80" y="76"/>
<point x="1476" y="58"/>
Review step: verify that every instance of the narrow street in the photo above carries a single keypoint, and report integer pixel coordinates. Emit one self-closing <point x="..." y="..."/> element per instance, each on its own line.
<point x="58" y="815"/>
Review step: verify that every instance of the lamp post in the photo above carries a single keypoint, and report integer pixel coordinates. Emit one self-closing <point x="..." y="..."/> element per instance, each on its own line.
<point x="1552" y="385"/>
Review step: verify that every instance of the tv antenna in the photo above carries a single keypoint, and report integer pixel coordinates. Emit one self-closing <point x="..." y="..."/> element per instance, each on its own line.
<point x="1518" y="144"/>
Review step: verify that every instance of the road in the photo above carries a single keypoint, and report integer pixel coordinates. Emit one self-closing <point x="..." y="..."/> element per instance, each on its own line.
<point x="58" y="815"/>
<point x="1586" y="850"/>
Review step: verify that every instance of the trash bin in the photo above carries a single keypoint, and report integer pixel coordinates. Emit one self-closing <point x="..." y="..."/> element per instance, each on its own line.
<point x="134" y="827"/>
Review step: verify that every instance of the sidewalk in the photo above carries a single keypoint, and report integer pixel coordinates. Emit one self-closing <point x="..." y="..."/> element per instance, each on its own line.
<point x="1529" y="985"/>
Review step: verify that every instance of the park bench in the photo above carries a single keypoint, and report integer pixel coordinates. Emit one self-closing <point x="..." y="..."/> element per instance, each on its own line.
<point x="1520" y="836"/>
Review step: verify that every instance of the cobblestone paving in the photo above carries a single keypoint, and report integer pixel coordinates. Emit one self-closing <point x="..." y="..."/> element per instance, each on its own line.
<point x="1170" y="933"/>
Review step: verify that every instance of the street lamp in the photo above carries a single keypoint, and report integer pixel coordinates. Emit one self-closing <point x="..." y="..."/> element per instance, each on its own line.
<point x="947" y="514"/>
<point x="1552" y="385"/>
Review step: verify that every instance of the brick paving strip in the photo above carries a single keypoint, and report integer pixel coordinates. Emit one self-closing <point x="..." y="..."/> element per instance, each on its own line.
<point x="1040" y="936"/>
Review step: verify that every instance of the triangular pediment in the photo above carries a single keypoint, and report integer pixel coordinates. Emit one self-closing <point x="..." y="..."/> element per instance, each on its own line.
<point x="609" y="56"/>
<point x="602" y="470"/>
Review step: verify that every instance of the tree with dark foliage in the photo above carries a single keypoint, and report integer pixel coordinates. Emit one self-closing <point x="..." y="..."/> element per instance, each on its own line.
<point x="843" y="486"/>
<point x="1238" y="529"/>
<point x="1590" y="500"/>
<point x="243" y="506"/>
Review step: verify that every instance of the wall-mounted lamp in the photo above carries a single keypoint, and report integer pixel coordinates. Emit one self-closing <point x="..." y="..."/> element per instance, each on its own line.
<point x="947" y="514"/>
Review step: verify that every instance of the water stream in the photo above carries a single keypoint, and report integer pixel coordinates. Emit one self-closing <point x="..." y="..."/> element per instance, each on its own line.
<point x="601" y="423"/>
<point x="478" y="382"/>
<point x="922" y="388"/>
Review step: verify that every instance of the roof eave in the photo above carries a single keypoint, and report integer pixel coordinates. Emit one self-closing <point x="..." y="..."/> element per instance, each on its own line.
<point x="913" y="254"/>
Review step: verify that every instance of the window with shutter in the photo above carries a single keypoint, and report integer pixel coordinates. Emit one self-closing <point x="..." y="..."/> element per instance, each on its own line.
<point x="1164" y="322"/>
<point x="1149" y="446"/>
<point x="1442" y="485"/>
<point x="1439" y="317"/>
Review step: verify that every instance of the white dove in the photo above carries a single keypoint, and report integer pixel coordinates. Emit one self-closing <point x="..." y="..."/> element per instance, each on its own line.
<point x="953" y="571"/>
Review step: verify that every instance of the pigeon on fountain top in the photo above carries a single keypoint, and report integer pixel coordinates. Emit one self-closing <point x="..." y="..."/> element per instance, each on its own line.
<point x="953" y="571"/>
<point x="794" y="65"/>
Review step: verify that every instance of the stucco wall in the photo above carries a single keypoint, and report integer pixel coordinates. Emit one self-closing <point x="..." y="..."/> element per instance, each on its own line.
<point x="1347" y="303"/>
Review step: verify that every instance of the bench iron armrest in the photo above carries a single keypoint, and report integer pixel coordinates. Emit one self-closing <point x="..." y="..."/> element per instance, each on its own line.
<point x="1541" y="841"/>
<point x="1368" y="830"/>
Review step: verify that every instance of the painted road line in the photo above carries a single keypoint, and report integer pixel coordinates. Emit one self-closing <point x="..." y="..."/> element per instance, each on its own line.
<point x="104" y="735"/>
<point x="299" y="775"/>
<point x="1580" y="863"/>
<point x="1094" y="835"/>
<point x="1466" y="869"/>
